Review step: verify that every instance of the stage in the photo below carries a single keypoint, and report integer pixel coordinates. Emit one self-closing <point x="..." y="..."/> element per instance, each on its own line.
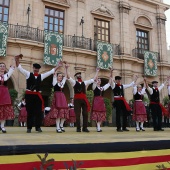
<point x="97" y="150"/>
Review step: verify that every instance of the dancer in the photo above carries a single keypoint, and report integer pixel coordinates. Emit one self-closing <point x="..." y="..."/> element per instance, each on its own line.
<point x="80" y="100"/>
<point x="156" y="107"/>
<point x="72" y="116"/>
<point x="22" y="118"/>
<point x="59" y="107"/>
<point x="98" y="112"/>
<point x="139" y="111"/>
<point x="122" y="107"/>
<point x="6" y="108"/>
<point x="33" y="97"/>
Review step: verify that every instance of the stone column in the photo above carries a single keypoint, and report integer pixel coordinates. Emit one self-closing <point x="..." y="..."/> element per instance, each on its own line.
<point x="124" y="9"/>
<point x="162" y="46"/>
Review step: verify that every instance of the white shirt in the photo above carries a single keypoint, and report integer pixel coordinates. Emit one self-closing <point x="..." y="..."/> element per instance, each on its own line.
<point x="105" y="87"/>
<point x="150" y="90"/>
<point x="27" y="73"/>
<point x="6" y="76"/>
<point x="142" y="92"/>
<point x="87" y="82"/>
<point x="60" y="84"/>
<point x="125" y="86"/>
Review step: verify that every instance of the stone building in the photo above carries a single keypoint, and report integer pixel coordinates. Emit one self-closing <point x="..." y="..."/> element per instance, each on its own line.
<point x="132" y="26"/>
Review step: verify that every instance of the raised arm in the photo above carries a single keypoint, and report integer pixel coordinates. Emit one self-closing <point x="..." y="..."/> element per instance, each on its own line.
<point x="150" y="90"/>
<point x="162" y="85"/>
<point x="97" y="71"/>
<point x="131" y="84"/>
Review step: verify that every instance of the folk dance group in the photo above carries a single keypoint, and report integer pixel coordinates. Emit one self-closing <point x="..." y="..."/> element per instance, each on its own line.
<point x="33" y="105"/>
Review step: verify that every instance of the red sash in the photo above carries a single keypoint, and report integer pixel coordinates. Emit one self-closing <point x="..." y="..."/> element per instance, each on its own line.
<point x="83" y="96"/>
<point x="39" y="95"/>
<point x="125" y="102"/>
<point x="164" y="111"/>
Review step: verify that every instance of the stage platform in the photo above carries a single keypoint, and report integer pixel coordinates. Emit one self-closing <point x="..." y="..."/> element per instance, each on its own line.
<point x="97" y="150"/>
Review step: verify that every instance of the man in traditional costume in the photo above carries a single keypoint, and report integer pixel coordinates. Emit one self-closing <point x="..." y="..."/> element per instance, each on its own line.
<point x="33" y="97"/>
<point x="122" y="107"/>
<point x="80" y="100"/>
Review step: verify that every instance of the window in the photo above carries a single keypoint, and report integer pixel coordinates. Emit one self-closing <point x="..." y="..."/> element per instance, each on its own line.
<point x="4" y="10"/>
<point x="102" y="30"/>
<point x="142" y="41"/>
<point x="54" y="20"/>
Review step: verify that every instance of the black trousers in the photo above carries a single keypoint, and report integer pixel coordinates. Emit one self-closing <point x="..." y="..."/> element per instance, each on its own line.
<point x="34" y="110"/>
<point x="120" y="112"/>
<point x="80" y="105"/>
<point x="156" y="116"/>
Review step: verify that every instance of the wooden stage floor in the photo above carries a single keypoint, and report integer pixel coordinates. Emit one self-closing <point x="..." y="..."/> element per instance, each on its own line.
<point x="18" y="136"/>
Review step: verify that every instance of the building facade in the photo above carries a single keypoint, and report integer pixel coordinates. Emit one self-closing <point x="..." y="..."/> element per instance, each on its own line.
<point x="132" y="26"/>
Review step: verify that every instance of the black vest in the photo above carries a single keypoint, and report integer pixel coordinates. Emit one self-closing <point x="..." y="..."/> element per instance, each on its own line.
<point x="4" y="83"/>
<point x="97" y="92"/>
<point x="79" y="88"/>
<point x="71" y="106"/>
<point x="22" y="105"/>
<point x="137" y="96"/>
<point x="155" y="96"/>
<point x="34" y="83"/>
<point x="57" y="88"/>
<point x="118" y="91"/>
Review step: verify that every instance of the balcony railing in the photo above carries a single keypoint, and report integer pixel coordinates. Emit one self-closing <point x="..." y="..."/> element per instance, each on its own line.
<point x="139" y="53"/>
<point x="35" y="34"/>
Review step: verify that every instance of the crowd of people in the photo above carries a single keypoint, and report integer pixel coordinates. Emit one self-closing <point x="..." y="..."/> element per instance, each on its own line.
<point x="32" y="106"/>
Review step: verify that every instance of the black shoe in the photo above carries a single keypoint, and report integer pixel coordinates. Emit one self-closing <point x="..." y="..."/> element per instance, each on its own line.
<point x="28" y="130"/>
<point x="126" y="129"/>
<point x="3" y="130"/>
<point x="119" y="130"/>
<point x="155" y="130"/>
<point x="62" y="129"/>
<point x="137" y="130"/>
<point x="99" y="130"/>
<point x="85" y="130"/>
<point x="161" y="130"/>
<point x="142" y="129"/>
<point x="58" y="130"/>
<point x="78" y="130"/>
<point x="38" y="129"/>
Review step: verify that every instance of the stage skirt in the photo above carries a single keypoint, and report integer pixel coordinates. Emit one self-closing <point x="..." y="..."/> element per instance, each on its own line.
<point x="59" y="109"/>
<point x="6" y="108"/>
<point x="98" y="112"/>
<point x="23" y="115"/>
<point x="72" y="116"/>
<point x="139" y="112"/>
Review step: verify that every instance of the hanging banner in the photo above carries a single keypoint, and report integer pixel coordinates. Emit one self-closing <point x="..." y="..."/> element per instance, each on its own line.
<point x="150" y="63"/>
<point x="53" y="48"/>
<point x="3" y="39"/>
<point x="104" y="55"/>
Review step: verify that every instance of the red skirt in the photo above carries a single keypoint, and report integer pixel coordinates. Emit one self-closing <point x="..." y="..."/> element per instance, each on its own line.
<point x="59" y="109"/>
<point x="139" y="112"/>
<point x="23" y="115"/>
<point x="6" y="108"/>
<point x="98" y="112"/>
<point x="72" y="116"/>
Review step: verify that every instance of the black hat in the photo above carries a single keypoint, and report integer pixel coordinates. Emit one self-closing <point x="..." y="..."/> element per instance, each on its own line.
<point x="77" y="73"/>
<point x="118" y="78"/>
<point x="154" y="82"/>
<point x="37" y="66"/>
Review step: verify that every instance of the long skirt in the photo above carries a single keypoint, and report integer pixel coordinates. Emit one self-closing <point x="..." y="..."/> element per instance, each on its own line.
<point x="59" y="109"/>
<point x="72" y="116"/>
<point x="98" y="112"/>
<point x="22" y="115"/>
<point x="6" y="108"/>
<point x="139" y="112"/>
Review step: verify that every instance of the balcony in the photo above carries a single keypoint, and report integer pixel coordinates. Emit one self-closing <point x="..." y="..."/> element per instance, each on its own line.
<point x="139" y="53"/>
<point x="35" y="34"/>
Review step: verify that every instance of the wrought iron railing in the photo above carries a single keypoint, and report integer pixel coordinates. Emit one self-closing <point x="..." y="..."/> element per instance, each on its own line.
<point x="139" y="53"/>
<point x="35" y="34"/>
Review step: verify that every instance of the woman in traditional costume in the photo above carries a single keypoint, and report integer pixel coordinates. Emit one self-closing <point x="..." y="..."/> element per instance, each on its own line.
<point x="6" y="108"/>
<point x="139" y="111"/>
<point x="98" y="112"/>
<point x="72" y="116"/>
<point x="22" y="118"/>
<point x="59" y="108"/>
